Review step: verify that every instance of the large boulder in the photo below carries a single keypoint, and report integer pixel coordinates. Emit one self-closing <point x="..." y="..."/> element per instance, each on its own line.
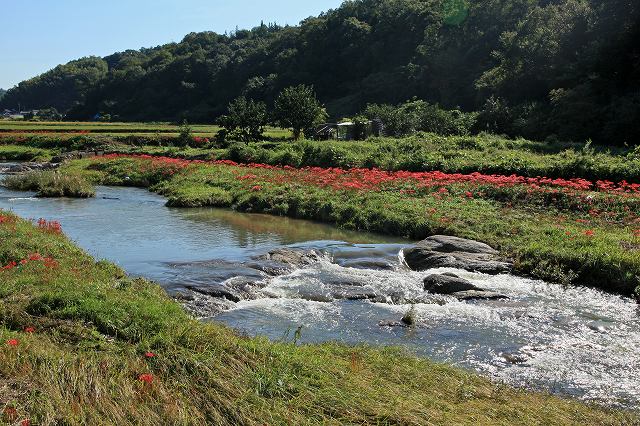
<point x="449" y="244"/>
<point x="441" y="251"/>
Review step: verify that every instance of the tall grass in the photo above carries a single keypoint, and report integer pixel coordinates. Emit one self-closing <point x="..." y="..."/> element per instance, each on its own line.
<point x="93" y="346"/>
<point x="51" y="184"/>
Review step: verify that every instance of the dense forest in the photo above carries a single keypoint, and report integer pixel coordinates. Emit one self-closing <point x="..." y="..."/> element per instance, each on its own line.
<point x="2" y="92"/>
<point x="559" y="69"/>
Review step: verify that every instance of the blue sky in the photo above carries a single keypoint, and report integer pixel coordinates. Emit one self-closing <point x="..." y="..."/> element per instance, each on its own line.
<point x="37" y="35"/>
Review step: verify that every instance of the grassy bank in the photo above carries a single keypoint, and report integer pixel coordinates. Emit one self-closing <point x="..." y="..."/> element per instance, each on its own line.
<point x="425" y="152"/>
<point x="52" y="184"/>
<point x="84" y="344"/>
<point x="567" y="231"/>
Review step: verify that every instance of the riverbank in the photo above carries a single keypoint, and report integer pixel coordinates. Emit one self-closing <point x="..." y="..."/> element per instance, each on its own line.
<point x="84" y="344"/>
<point x="567" y="231"/>
<point x="489" y="154"/>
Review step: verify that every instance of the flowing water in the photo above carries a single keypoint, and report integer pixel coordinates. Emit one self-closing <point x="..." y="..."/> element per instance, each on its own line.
<point x="576" y="341"/>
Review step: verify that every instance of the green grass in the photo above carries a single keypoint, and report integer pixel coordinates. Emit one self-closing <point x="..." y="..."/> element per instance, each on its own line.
<point x="34" y="128"/>
<point x="463" y="154"/>
<point x="52" y="184"/>
<point x="92" y="326"/>
<point x="24" y="153"/>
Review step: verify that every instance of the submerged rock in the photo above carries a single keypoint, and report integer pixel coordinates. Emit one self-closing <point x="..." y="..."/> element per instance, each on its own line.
<point x="461" y="289"/>
<point x="203" y="306"/>
<point x="446" y="284"/>
<point x="377" y="265"/>
<point x="390" y="323"/>
<point x="478" y="295"/>
<point x="441" y="251"/>
<point x="284" y="260"/>
<point x="234" y="289"/>
<point x="293" y="257"/>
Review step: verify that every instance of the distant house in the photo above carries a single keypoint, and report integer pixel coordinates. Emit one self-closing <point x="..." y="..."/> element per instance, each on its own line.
<point x="349" y="130"/>
<point x="12" y="115"/>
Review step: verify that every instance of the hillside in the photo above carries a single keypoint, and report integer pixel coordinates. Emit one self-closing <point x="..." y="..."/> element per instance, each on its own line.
<point x="565" y="69"/>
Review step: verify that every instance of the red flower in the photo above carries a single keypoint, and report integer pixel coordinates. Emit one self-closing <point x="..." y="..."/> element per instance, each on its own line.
<point x="589" y="233"/>
<point x="636" y="233"/>
<point x="35" y="257"/>
<point x="25" y="422"/>
<point x="13" y="342"/>
<point x="10" y="413"/>
<point x="146" y="378"/>
<point x="149" y="355"/>
<point x="29" y="330"/>
<point x="256" y="188"/>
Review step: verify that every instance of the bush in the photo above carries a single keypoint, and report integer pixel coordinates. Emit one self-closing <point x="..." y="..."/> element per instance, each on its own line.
<point x="416" y="115"/>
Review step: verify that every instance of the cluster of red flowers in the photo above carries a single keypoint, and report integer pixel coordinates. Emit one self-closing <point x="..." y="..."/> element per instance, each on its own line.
<point x="7" y="219"/>
<point x="367" y="179"/>
<point x="50" y="226"/>
<point x="200" y="141"/>
<point x="48" y="262"/>
<point x="146" y="378"/>
<point x="11" y="415"/>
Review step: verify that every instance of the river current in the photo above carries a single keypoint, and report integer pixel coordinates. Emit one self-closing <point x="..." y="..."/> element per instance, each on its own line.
<point x="571" y="341"/>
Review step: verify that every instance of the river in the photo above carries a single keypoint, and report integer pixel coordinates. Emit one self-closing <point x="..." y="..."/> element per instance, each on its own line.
<point x="570" y="341"/>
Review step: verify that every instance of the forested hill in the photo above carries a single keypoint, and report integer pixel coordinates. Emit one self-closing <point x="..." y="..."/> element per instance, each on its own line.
<point x="569" y="68"/>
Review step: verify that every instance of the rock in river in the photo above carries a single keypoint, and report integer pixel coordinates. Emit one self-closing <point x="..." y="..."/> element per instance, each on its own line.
<point x="282" y="261"/>
<point x="461" y="289"/>
<point x="441" y="251"/>
<point x="446" y="284"/>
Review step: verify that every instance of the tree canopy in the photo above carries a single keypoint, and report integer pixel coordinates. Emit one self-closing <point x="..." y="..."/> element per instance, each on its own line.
<point x="565" y="69"/>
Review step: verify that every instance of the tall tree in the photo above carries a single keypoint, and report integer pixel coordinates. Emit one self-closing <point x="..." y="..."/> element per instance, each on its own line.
<point x="298" y="108"/>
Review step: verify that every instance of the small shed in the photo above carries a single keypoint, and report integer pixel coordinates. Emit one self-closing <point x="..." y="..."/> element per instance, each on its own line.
<point x="348" y="130"/>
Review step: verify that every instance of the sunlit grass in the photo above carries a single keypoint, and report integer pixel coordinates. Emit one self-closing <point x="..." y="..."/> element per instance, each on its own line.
<point x="83" y="332"/>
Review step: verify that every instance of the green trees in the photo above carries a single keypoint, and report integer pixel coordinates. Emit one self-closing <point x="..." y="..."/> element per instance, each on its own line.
<point x="417" y="115"/>
<point x="246" y="119"/>
<point x="564" y="68"/>
<point x="297" y="108"/>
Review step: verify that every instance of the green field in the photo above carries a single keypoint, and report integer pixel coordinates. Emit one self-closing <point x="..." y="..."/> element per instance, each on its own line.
<point x="116" y="129"/>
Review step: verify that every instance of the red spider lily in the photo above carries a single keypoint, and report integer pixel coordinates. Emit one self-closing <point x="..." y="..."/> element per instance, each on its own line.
<point x="29" y="330"/>
<point x="10" y="413"/>
<point x="7" y="219"/>
<point x="9" y="266"/>
<point x="35" y="257"/>
<point x="373" y="177"/>
<point x="256" y="188"/>
<point x="25" y="422"/>
<point x="589" y="233"/>
<point x="13" y="342"/>
<point x="146" y="378"/>
<point x="149" y="355"/>
<point x="49" y="263"/>
<point x="53" y="226"/>
<point x="636" y="233"/>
